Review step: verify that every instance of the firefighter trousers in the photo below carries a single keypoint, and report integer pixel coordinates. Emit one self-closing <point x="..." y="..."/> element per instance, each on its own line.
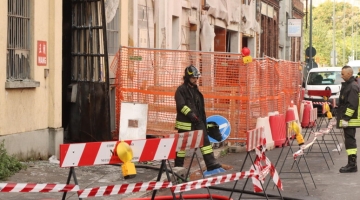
<point x="350" y="141"/>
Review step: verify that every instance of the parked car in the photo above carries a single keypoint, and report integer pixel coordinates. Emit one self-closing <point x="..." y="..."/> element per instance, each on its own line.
<point x="321" y="79"/>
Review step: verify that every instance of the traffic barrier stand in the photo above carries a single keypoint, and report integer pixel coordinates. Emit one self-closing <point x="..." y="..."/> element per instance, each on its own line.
<point x="330" y="124"/>
<point x="322" y="105"/>
<point x="312" y="123"/>
<point x="320" y="134"/>
<point x="320" y="93"/>
<point x="256" y="140"/>
<point x="334" y="112"/>
<point x="334" y="134"/>
<point x="290" y="133"/>
<point x="314" y="138"/>
<point x="192" y="140"/>
<point x="321" y="115"/>
<point x="332" y="137"/>
<point x="188" y="141"/>
<point x="314" y="118"/>
<point x="104" y="153"/>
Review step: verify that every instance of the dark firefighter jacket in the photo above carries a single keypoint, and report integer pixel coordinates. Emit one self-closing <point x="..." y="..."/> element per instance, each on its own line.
<point x="188" y="100"/>
<point x="348" y="109"/>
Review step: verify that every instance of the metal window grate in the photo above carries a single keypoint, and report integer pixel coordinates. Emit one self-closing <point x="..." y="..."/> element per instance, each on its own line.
<point x="18" y="40"/>
<point x="89" y="43"/>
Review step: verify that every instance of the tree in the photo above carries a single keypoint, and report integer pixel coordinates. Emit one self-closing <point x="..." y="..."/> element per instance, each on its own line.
<point x="347" y="29"/>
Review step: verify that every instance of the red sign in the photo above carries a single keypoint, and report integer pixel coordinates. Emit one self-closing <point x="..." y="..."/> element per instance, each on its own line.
<point x="41" y="53"/>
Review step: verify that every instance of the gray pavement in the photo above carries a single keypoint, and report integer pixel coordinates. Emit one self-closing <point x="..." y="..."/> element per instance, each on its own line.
<point x="330" y="184"/>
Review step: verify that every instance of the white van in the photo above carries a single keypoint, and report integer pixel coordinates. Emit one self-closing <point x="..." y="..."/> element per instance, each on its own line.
<point x="319" y="79"/>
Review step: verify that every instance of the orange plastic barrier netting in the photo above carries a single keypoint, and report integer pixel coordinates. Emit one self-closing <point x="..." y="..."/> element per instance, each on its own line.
<point x="239" y="92"/>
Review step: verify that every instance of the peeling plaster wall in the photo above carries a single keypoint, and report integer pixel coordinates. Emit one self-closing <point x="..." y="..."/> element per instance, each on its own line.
<point x="207" y="34"/>
<point x="284" y="40"/>
<point x="249" y="22"/>
<point x="182" y="24"/>
<point x="223" y="14"/>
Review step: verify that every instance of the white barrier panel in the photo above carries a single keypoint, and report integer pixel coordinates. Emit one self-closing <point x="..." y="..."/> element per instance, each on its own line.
<point x="264" y="122"/>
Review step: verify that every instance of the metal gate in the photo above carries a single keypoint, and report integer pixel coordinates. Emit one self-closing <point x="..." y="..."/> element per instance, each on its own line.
<point x="89" y="96"/>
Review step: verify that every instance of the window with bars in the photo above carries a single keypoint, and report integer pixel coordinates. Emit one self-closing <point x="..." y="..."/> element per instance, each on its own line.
<point x="18" y="40"/>
<point x="113" y="34"/>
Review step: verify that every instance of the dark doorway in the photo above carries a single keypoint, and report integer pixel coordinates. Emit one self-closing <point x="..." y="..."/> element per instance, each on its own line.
<point x="85" y="72"/>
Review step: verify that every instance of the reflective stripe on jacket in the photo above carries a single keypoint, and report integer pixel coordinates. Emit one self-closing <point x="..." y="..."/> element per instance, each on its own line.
<point x="349" y="109"/>
<point x="185" y="103"/>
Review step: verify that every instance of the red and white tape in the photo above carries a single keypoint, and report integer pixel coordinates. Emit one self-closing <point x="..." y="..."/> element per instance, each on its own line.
<point x="314" y="136"/>
<point x="102" y="153"/>
<point x="321" y="103"/>
<point x="188" y="140"/>
<point x="193" y="185"/>
<point x="37" y="187"/>
<point x="122" y="189"/>
<point x="264" y="170"/>
<point x="258" y="166"/>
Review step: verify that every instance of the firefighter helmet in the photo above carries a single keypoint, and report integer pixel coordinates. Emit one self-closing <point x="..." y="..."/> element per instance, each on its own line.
<point x="191" y="71"/>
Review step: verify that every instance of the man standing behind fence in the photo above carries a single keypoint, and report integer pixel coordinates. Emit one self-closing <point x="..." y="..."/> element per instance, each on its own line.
<point x="190" y="109"/>
<point x="348" y="116"/>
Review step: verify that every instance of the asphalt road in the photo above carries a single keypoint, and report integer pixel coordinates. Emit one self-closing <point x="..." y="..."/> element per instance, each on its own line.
<point x="330" y="184"/>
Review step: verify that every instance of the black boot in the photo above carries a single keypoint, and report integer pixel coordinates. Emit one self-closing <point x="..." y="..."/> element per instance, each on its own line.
<point x="211" y="162"/>
<point x="351" y="166"/>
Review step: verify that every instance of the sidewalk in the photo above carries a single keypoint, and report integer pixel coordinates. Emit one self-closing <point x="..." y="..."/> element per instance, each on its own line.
<point x="330" y="183"/>
<point x="88" y="177"/>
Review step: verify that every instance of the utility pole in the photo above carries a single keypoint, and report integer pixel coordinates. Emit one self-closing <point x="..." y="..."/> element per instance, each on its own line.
<point x="310" y="37"/>
<point x="334" y="50"/>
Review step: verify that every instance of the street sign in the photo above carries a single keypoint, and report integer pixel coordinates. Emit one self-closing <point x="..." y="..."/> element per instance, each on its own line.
<point x="294" y="27"/>
<point x="313" y="52"/>
<point x="41" y="53"/>
<point x="224" y="126"/>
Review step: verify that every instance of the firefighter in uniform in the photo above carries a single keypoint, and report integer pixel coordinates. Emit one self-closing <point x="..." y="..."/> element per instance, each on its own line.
<point x="348" y="116"/>
<point x="190" y="109"/>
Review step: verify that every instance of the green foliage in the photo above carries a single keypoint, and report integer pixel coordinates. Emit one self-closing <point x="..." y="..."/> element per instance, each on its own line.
<point x="8" y="164"/>
<point x="347" y="32"/>
<point x="223" y="152"/>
